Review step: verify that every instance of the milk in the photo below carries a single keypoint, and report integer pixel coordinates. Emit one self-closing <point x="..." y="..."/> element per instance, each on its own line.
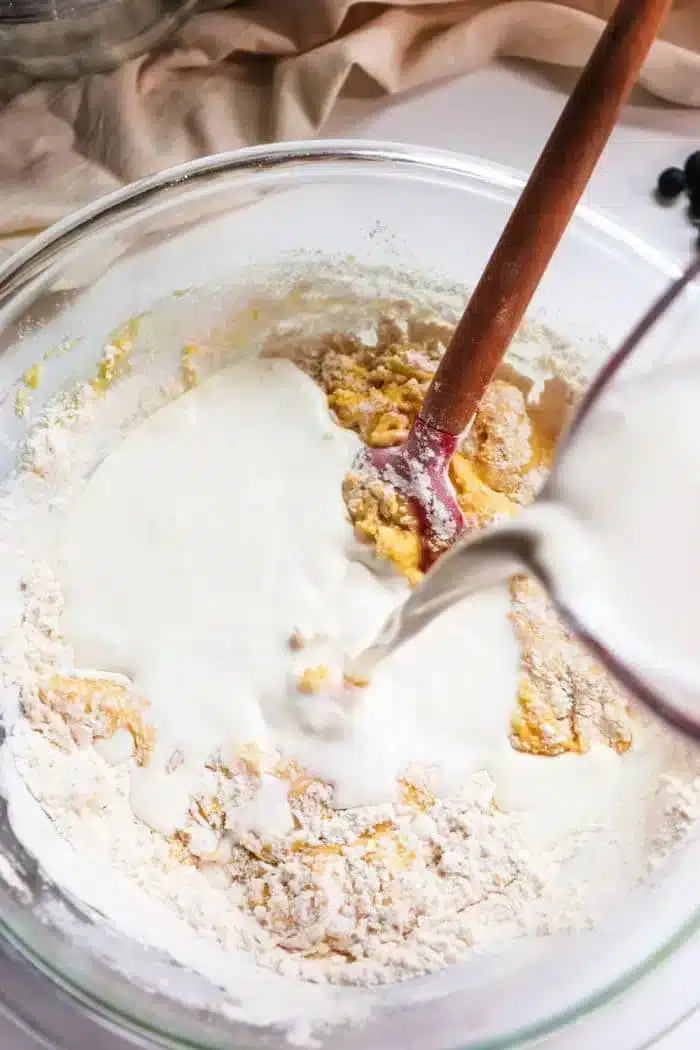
<point x="614" y="538"/>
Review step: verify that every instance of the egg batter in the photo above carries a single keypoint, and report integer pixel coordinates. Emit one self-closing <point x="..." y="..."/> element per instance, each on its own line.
<point x="185" y="727"/>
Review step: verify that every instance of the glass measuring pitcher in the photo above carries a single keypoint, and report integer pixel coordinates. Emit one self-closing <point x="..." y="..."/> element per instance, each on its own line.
<point x="613" y="535"/>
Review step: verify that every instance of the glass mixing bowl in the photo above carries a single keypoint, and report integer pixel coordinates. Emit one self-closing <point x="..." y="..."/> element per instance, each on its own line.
<point x="69" y="38"/>
<point x="82" y="984"/>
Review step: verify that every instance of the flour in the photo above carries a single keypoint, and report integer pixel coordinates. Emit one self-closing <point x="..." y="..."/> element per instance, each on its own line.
<point x="246" y="862"/>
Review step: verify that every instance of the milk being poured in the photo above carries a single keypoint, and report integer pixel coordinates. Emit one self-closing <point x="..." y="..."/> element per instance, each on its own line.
<point x="618" y="535"/>
<point x="614" y="537"/>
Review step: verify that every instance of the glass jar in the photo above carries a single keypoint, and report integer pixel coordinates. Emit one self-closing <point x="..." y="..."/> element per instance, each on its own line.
<point x="67" y="38"/>
<point x="82" y="983"/>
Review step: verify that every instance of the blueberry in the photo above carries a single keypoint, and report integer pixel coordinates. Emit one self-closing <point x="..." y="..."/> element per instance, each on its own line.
<point x="691" y="170"/>
<point x="695" y="203"/>
<point x="670" y="184"/>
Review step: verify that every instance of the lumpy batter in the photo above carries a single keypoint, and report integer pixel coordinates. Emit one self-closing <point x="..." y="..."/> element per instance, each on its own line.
<point x="489" y="784"/>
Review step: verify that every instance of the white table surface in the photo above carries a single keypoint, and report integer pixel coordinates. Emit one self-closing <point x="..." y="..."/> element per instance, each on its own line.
<point x="504" y="114"/>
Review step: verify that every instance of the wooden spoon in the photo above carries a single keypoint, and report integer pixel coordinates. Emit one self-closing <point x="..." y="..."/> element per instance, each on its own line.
<point x="418" y="468"/>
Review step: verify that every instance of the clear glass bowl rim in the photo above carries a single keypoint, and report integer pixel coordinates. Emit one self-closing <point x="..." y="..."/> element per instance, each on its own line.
<point x="48" y="247"/>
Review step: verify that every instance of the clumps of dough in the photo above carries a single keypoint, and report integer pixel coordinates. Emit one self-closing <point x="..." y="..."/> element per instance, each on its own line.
<point x="375" y="386"/>
<point x="80" y="711"/>
<point x="567" y="701"/>
<point x="384" y="519"/>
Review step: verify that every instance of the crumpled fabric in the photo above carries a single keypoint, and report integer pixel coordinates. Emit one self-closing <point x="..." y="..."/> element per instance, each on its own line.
<point x="271" y="70"/>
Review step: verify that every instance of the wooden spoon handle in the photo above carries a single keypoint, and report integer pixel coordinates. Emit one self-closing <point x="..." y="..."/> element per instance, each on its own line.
<point x="541" y="215"/>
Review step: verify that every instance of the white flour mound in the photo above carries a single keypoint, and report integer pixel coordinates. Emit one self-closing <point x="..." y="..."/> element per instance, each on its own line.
<point x="566" y="838"/>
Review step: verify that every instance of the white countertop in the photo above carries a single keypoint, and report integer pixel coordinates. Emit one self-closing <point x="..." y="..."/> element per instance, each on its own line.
<point x="504" y="114"/>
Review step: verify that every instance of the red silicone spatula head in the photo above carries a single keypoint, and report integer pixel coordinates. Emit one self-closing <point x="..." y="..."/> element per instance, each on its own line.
<point x="418" y="470"/>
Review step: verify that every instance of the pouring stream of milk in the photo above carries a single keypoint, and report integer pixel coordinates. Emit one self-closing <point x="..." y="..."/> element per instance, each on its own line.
<point x="613" y="537"/>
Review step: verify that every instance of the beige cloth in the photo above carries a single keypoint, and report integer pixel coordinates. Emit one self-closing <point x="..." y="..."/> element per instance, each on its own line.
<point x="267" y="70"/>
